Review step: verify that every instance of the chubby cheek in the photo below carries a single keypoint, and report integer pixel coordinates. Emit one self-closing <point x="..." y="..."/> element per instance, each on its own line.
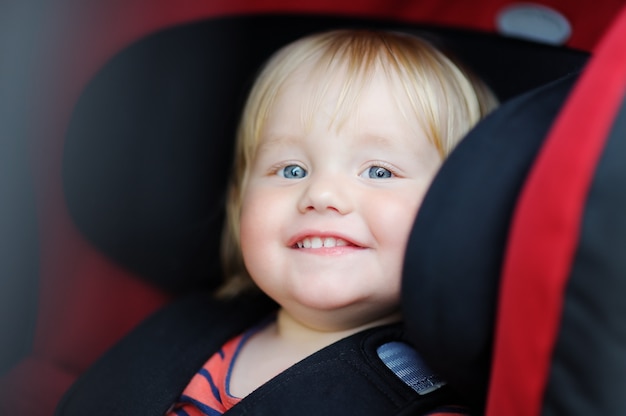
<point x="259" y="231"/>
<point x="391" y="223"/>
<point x="252" y="223"/>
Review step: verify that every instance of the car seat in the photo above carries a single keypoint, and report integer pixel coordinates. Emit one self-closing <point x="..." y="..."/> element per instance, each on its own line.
<point x="91" y="254"/>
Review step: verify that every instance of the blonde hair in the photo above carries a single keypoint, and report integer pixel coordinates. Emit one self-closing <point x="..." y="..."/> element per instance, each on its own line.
<point x="446" y="100"/>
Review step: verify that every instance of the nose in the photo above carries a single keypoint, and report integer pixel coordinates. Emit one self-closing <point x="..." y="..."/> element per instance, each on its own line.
<point x="326" y="193"/>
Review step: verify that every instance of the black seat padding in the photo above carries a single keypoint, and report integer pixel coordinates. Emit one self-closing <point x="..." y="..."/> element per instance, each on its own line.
<point x="454" y="255"/>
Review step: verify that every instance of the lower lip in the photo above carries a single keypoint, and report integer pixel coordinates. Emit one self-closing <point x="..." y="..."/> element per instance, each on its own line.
<point x="329" y="251"/>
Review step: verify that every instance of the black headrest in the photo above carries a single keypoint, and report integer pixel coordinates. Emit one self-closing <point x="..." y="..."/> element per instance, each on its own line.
<point x="148" y="149"/>
<point x="455" y="251"/>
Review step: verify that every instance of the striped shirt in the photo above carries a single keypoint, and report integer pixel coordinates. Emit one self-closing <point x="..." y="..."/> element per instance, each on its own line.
<point x="207" y="393"/>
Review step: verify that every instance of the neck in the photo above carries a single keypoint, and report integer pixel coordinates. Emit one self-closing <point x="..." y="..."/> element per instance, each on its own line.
<point x="298" y="333"/>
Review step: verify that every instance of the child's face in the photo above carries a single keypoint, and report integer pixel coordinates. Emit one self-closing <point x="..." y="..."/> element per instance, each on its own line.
<point x="327" y="212"/>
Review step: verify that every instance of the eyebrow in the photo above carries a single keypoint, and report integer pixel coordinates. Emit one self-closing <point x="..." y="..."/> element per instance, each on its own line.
<point x="375" y="140"/>
<point x="388" y="143"/>
<point x="273" y="142"/>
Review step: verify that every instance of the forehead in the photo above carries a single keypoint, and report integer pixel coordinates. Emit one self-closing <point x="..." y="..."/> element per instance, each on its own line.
<point x="338" y="92"/>
<point x="367" y="112"/>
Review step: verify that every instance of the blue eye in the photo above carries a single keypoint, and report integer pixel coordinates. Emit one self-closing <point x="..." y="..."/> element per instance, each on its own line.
<point x="378" y="172"/>
<point x="292" y="172"/>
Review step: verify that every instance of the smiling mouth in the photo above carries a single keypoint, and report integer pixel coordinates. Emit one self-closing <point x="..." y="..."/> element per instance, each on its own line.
<point x="321" y="242"/>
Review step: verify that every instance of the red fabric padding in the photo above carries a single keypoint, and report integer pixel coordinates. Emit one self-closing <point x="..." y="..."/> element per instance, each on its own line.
<point x="33" y="388"/>
<point x="545" y="232"/>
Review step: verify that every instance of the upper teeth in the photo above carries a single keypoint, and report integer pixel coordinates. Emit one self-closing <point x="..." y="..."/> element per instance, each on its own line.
<point x="319" y="242"/>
